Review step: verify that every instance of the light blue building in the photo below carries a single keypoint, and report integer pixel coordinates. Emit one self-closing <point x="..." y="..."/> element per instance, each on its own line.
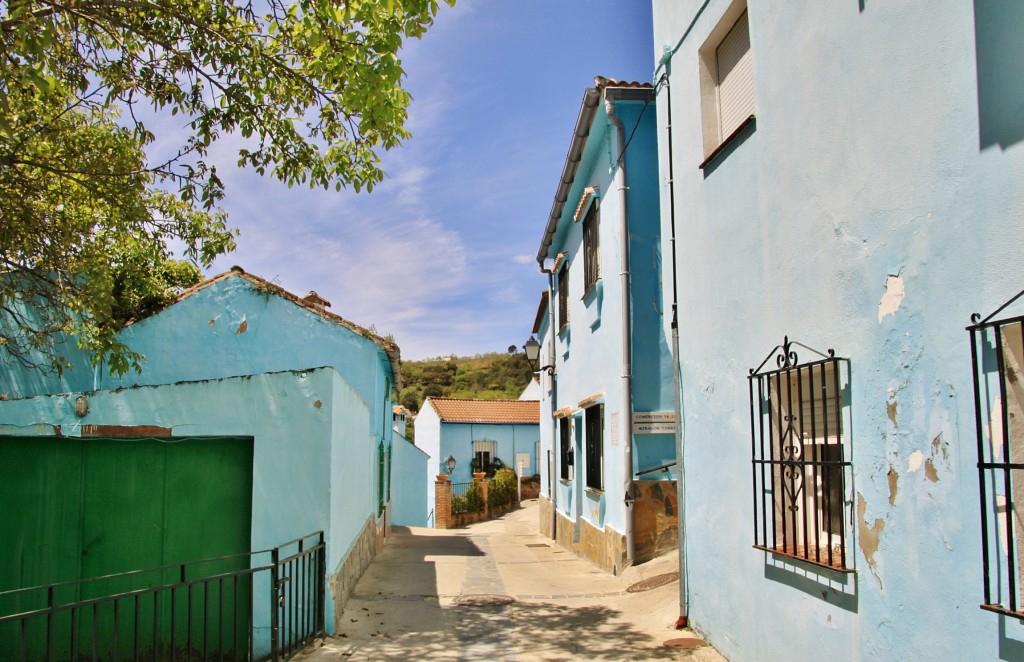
<point x="607" y="410"/>
<point x="480" y="435"/>
<point x="236" y="362"/>
<point x="841" y="191"/>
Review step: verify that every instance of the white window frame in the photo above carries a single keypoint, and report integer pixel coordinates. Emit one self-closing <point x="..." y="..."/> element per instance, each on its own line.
<point x="485" y="446"/>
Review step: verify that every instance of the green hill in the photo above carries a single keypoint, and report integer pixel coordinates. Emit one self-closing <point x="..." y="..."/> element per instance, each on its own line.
<point x="493" y="376"/>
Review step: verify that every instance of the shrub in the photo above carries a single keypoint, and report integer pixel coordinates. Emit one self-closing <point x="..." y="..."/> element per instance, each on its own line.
<point x="470" y="502"/>
<point x="501" y="489"/>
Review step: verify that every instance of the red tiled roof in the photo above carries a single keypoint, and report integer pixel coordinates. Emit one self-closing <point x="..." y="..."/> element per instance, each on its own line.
<point x="455" y="410"/>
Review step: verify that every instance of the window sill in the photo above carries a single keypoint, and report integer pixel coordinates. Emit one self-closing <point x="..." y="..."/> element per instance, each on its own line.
<point x="593" y="491"/>
<point x="562" y="330"/>
<point x="728" y="142"/>
<point x="835" y="567"/>
<point x="565" y="481"/>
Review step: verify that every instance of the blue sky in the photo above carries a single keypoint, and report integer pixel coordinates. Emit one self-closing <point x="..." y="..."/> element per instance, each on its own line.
<point x="442" y="254"/>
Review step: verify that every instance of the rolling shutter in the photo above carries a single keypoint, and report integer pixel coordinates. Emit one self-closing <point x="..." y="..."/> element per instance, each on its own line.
<point x="735" y="78"/>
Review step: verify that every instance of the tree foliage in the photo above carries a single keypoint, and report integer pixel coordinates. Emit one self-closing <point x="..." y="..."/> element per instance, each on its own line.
<point x="493" y="376"/>
<point x="312" y="88"/>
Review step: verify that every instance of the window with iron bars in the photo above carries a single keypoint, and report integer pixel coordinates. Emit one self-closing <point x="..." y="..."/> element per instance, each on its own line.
<point x="591" y="248"/>
<point x="563" y="296"/>
<point x="997" y="353"/>
<point x="594" y="422"/>
<point x="565" y="447"/>
<point x="800" y="456"/>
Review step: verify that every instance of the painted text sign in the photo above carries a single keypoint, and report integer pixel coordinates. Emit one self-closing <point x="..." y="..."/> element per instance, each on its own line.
<point x="654" y="422"/>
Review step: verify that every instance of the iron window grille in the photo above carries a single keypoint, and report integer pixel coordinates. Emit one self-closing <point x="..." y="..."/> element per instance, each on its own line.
<point x="563" y="296"/>
<point x="800" y="456"/>
<point x="565" y="447"/>
<point x="594" y="422"/>
<point x="591" y="248"/>
<point x="997" y="355"/>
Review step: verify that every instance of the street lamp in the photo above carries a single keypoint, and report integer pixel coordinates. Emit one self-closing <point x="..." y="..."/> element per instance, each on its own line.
<point x="532" y="349"/>
<point x="449" y="464"/>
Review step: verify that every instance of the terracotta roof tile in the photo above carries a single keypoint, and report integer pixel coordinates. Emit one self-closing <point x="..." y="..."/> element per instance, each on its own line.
<point x="455" y="410"/>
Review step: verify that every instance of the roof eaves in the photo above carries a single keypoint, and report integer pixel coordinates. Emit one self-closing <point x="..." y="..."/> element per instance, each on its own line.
<point x="390" y="348"/>
<point x="542" y="308"/>
<point x="588" y="109"/>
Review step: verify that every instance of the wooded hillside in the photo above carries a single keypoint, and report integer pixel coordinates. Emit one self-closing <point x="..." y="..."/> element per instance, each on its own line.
<point x="493" y="376"/>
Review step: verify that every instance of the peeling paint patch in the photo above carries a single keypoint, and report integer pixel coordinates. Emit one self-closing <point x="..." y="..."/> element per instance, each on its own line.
<point x="212" y="322"/>
<point x="868" y="536"/>
<point x="243" y="327"/>
<point x="318" y="404"/>
<point x="916" y="460"/>
<point x="893" y="297"/>
<point x="894" y="479"/>
<point x="939" y="449"/>
<point x="890" y="408"/>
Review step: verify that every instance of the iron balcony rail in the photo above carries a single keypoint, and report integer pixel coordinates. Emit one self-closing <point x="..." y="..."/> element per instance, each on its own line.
<point x="239" y="607"/>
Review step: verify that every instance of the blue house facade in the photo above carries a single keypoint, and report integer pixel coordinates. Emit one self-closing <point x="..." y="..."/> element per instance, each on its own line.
<point x="840" y="195"/>
<point x="607" y="423"/>
<point x="304" y="395"/>
<point x="480" y="435"/>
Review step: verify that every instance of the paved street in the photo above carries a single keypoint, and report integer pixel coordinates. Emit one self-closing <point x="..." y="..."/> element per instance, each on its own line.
<point x="498" y="590"/>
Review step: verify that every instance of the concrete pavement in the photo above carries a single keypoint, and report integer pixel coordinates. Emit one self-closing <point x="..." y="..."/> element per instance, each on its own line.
<point x="499" y="591"/>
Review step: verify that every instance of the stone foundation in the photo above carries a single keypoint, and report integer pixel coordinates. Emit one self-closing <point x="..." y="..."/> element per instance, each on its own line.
<point x="544" y="508"/>
<point x="605" y="548"/>
<point x="655" y="519"/>
<point x="655" y="528"/>
<point x="343" y="582"/>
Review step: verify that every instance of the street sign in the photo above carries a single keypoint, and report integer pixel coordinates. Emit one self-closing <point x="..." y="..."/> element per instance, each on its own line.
<point x="654" y="422"/>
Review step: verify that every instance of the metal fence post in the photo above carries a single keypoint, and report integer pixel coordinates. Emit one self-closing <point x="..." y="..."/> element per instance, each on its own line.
<point x="275" y="644"/>
<point x="321" y="594"/>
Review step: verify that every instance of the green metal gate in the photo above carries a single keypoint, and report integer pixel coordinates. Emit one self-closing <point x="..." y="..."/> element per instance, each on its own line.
<point x="79" y="508"/>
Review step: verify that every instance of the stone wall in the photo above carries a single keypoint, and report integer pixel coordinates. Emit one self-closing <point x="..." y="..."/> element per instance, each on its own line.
<point x="530" y="488"/>
<point x="343" y="582"/>
<point x="655" y="520"/>
<point x="655" y="529"/>
<point x="605" y="548"/>
<point x="544" y="511"/>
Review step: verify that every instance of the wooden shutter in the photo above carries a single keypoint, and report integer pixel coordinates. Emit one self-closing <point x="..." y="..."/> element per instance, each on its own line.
<point x="735" y="78"/>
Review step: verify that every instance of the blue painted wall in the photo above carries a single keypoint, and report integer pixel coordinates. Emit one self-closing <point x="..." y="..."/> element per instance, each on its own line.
<point x="409" y="484"/>
<point x="296" y="450"/>
<point x="457" y="440"/>
<point x="873" y="208"/>
<point x="588" y="352"/>
<point x="235" y="358"/>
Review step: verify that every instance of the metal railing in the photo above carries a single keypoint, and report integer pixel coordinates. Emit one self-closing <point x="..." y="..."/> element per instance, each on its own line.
<point x="800" y="456"/>
<point x="212" y="609"/>
<point x="466" y="498"/>
<point x="997" y="354"/>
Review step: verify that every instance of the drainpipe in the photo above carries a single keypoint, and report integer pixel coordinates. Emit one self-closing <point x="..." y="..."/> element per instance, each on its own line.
<point x="627" y="366"/>
<point x="552" y="485"/>
<point x="676" y="360"/>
